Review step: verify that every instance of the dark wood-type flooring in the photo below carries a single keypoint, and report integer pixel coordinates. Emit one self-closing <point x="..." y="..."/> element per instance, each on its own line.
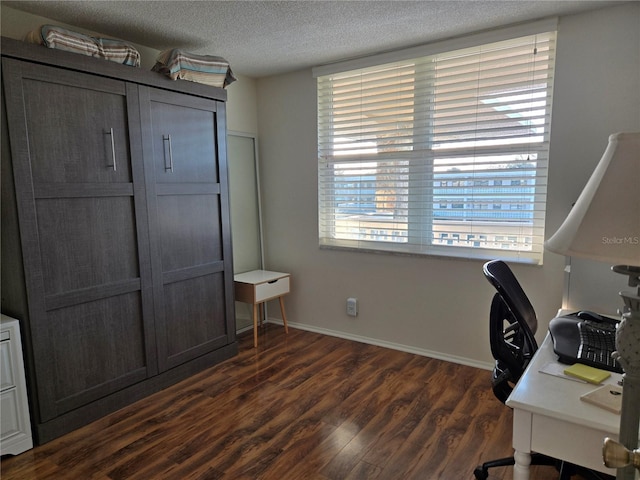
<point x="301" y="406"/>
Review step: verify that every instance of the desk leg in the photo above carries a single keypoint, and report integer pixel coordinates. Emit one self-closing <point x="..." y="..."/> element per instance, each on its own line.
<point x="521" y="468"/>
<point x="284" y="317"/>
<point x="255" y="325"/>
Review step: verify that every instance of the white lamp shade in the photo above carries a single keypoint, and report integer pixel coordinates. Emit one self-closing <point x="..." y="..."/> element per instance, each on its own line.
<point x="604" y="224"/>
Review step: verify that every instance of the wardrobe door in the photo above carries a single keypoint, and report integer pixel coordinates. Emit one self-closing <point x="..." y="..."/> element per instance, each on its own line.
<point x="185" y="161"/>
<point x="82" y="219"/>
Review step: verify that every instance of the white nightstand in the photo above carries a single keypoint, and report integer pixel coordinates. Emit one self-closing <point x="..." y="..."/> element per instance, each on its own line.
<point x="15" y="431"/>
<point x="259" y="286"/>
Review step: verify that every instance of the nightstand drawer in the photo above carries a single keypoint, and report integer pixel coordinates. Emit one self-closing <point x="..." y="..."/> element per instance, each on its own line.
<point x="15" y="423"/>
<point x="11" y="415"/>
<point x="7" y="379"/>
<point x="273" y="289"/>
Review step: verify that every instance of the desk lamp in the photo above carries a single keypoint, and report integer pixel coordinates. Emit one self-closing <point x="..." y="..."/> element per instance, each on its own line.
<point x="604" y="225"/>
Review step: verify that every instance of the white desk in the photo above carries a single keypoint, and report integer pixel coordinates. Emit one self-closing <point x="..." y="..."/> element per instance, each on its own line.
<point x="550" y="418"/>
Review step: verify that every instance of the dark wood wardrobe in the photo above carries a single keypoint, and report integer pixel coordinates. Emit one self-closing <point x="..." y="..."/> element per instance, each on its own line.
<point x="116" y="241"/>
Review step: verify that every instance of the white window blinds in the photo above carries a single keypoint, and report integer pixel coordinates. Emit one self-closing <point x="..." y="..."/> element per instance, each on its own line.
<point x="444" y="154"/>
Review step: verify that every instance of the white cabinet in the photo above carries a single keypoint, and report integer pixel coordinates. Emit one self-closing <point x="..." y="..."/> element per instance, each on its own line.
<point x="15" y="424"/>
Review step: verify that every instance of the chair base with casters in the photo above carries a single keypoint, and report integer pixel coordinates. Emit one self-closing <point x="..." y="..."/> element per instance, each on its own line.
<point x="567" y="470"/>
<point x="482" y="471"/>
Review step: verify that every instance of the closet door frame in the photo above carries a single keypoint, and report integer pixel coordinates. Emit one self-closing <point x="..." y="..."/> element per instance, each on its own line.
<point x="246" y="205"/>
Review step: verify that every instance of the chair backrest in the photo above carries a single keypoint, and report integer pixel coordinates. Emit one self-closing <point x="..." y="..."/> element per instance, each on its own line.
<point x="512" y="326"/>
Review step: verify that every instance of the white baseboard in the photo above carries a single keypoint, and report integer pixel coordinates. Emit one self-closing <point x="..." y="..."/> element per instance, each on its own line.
<point x="382" y="343"/>
<point x="245" y="329"/>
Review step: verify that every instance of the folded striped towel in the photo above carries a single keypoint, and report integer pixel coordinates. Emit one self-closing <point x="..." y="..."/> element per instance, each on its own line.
<point x="210" y="70"/>
<point x="106" y="48"/>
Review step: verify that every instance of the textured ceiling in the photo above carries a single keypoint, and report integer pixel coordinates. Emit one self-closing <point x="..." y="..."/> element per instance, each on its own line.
<point x="261" y="38"/>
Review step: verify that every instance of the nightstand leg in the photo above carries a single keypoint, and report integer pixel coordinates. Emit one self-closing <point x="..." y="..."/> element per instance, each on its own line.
<point x="255" y="325"/>
<point x="284" y="317"/>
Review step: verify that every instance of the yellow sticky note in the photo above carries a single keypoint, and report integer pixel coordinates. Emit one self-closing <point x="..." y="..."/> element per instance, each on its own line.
<point x="587" y="373"/>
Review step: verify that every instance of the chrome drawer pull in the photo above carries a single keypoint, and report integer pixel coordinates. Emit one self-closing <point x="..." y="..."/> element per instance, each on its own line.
<point x="168" y="138"/>
<point x="113" y="149"/>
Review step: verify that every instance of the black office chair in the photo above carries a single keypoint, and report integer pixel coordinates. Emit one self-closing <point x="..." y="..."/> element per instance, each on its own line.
<point x="512" y="328"/>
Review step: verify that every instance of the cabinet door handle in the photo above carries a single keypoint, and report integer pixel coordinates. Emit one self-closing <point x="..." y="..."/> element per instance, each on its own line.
<point x="113" y="149"/>
<point x="168" y="138"/>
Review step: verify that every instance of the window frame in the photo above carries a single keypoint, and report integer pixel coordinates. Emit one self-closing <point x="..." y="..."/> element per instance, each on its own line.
<point x="424" y="172"/>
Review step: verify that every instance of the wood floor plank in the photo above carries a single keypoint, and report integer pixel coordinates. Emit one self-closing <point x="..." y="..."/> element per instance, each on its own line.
<point x="300" y="406"/>
<point x="386" y="412"/>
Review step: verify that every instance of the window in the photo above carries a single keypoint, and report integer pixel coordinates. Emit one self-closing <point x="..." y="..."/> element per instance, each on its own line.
<point x="439" y="149"/>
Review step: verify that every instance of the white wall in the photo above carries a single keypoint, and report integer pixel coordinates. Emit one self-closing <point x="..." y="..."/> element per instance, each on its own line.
<point x="607" y="102"/>
<point x="426" y="304"/>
